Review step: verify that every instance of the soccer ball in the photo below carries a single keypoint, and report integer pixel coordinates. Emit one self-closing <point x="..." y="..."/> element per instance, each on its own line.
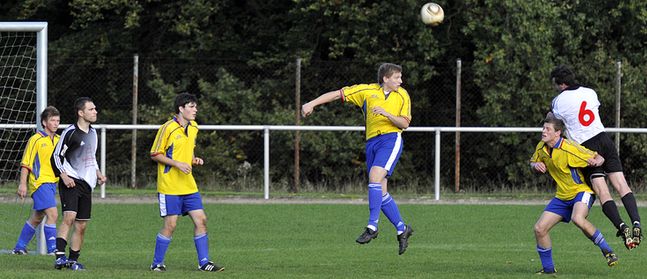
<point x="432" y="14"/>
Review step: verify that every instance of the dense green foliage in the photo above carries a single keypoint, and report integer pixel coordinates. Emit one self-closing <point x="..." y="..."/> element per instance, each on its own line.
<point x="318" y="241"/>
<point x="239" y="57"/>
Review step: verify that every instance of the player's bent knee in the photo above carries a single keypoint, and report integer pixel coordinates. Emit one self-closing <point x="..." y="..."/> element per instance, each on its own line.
<point x="540" y="230"/>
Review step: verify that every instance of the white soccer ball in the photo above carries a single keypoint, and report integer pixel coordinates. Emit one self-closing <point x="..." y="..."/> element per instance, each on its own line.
<point x="432" y="14"/>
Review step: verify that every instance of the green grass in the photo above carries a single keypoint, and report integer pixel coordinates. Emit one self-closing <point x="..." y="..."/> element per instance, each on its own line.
<point x="317" y="241"/>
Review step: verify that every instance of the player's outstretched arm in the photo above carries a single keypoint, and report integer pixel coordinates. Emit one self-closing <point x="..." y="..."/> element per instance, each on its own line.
<point x="307" y="108"/>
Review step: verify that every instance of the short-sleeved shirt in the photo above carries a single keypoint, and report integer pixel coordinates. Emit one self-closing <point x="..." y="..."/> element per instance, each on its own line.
<point x="177" y="143"/>
<point x="578" y="107"/>
<point x="368" y="96"/>
<point x="564" y="162"/>
<point x="36" y="159"/>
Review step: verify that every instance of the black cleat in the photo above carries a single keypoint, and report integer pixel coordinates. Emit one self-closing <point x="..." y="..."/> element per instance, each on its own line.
<point x="612" y="259"/>
<point x="627" y="237"/>
<point x="637" y="234"/>
<point x="158" y="267"/>
<point x="19" y="252"/>
<point x="211" y="267"/>
<point x="61" y="263"/>
<point x="403" y="239"/>
<point x="366" y="236"/>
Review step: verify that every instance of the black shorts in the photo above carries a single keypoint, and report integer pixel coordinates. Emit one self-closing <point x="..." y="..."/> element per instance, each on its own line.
<point x="603" y="145"/>
<point x="77" y="198"/>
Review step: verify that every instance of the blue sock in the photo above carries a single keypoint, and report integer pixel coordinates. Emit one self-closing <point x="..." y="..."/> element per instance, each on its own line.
<point x="26" y="235"/>
<point x="546" y="256"/>
<point x="598" y="239"/>
<point x="161" y="245"/>
<point x="202" y="247"/>
<point x="374" y="202"/>
<point x="50" y="237"/>
<point x="390" y="209"/>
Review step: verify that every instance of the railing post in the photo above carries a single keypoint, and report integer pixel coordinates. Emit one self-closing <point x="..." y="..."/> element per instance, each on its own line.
<point x="133" y="140"/>
<point x="266" y="162"/>
<point x="103" y="160"/>
<point x="618" y="99"/>
<point x="437" y="166"/>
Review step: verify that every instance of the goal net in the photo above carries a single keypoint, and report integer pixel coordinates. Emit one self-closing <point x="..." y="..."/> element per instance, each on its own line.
<point x="23" y="81"/>
<point x="23" y="95"/>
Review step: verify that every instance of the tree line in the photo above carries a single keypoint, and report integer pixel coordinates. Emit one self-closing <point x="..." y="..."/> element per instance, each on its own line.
<point x="239" y="58"/>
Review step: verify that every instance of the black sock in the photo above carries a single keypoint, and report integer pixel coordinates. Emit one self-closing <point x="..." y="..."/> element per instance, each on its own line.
<point x="74" y="255"/>
<point x="60" y="247"/>
<point x="630" y="205"/>
<point x="611" y="211"/>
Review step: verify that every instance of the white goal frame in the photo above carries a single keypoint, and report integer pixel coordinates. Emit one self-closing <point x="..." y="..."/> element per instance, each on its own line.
<point x="40" y="28"/>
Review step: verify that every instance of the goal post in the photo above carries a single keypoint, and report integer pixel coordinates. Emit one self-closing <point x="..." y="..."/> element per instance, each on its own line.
<point x="23" y="95"/>
<point x="40" y="28"/>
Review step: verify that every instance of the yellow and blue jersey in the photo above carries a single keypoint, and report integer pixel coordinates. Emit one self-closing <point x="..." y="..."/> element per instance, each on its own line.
<point x="368" y="96"/>
<point x="177" y="143"/>
<point x="564" y="162"/>
<point x="37" y="160"/>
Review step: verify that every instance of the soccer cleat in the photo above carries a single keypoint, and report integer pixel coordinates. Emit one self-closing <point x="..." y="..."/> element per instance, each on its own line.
<point x="73" y="265"/>
<point x="638" y="235"/>
<point x="403" y="239"/>
<point x="548" y="272"/>
<point x="158" y="267"/>
<point x="211" y="267"/>
<point x="61" y="262"/>
<point x="19" y="252"/>
<point x="612" y="259"/>
<point x="366" y="236"/>
<point x="627" y="237"/>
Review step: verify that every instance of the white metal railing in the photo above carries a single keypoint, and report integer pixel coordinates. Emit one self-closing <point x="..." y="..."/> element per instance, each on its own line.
<point x="266" y="140"/>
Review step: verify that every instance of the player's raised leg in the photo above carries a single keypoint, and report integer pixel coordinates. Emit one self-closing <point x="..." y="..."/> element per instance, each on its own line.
<point x="629" y="201"/>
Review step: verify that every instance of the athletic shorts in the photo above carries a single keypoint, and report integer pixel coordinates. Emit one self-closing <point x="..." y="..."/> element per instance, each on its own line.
<point x="44" y="197"/>
<point x="565" y="208"/>
<point x="179" y="204"/>
<point x="603" y="145"/>
<point x="76" y="199"/>
<point x="384" y="151"/>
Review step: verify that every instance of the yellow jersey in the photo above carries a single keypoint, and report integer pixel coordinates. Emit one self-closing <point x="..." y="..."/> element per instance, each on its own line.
<point x="177" y="143"/>
<point x="37" y="160"/>
<point x="368" y="96"/>
<point x="563" y="162"/>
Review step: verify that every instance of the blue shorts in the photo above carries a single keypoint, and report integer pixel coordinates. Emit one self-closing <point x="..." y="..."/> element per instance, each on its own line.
<point x="176" y="205"/>
<point x="384" y="151"/>
<point x="44" y="197"/>
<point x="565" y="208"/>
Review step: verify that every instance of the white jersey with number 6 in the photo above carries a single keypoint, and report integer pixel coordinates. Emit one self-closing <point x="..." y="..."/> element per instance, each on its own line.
<point x="578" y="106"/>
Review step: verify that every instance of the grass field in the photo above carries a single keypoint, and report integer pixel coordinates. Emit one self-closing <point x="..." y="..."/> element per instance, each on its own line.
<point x="317" y="241"/>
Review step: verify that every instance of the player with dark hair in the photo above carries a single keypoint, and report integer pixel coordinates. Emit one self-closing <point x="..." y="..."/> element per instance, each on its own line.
<point x="562" y="159"/>
<point x="74" y="160"/>
<point x="578" y="107"/>
<point x="36" y="170"/>
<point x="387" y="111"/>
<point x="178" y="194"/>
